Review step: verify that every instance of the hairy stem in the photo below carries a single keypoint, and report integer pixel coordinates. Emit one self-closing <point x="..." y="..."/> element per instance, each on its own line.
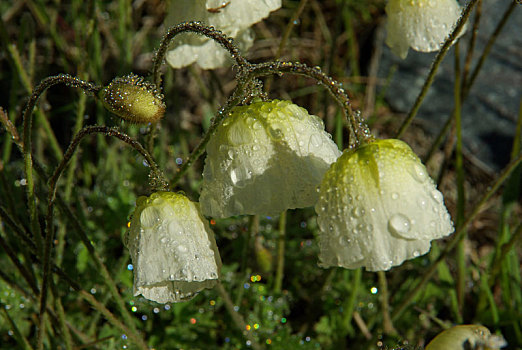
<point x="196" y="27"/>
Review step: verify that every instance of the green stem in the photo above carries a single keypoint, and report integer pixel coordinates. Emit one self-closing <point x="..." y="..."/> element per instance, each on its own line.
<point x="280" y="253"/>
<point x="387" y="323"/>
<point x="435" y="66"/>
<point x="27" y="128"/>
<point x="472" y="42"/>
<point x="459" y="165"/>
<point x="52" y="195"/>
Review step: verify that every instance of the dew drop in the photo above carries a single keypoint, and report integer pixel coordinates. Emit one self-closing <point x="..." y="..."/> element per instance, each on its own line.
<point x="399" y="224"/>
<point x="437" y="196"/>
<point x="315" y="141"/>
<point x="419" y="172"/>
<point x="358" y="212"/>
<point x="348" y="179"/>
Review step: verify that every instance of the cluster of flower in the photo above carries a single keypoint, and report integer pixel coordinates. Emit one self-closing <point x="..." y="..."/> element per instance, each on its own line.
<point x="376" y="204"/>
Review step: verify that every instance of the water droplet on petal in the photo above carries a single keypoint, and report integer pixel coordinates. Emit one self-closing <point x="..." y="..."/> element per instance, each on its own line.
<point x="399" y="224"/>
<point x="437" y="196"/>
<point x="419" y="172"/>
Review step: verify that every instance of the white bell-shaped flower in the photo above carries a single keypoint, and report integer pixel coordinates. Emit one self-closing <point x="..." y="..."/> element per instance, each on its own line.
<point x="468" y="336"/>
<point x="378" y="207"/>
<point x="172" y="247"/>
<point x="422" y="25"/>
<point x="233" y="18"/>
<point x="265" y="158"/>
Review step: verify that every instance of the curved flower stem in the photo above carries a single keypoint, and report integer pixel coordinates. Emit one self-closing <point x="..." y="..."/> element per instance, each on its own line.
<point x="249" y="73"/>
<point x="67" y="212"/>
<point x="358" y="127"/>
<point x="435" y="66"/>
<point x="236" y="316"/>
<point x="27" y="126"/>
<point x="52" y="195"/>
<point x="196" y="27"/>
<point x="457" y="236"/>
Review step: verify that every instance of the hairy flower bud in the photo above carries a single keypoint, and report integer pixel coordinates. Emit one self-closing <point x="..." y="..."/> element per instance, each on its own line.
<point x="172" y="247"/>
<point x="378" y="207"/>
<point x="265" y="158"/>
<point x="133" y="99"/>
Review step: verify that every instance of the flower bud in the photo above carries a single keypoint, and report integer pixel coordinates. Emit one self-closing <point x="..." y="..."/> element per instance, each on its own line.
<point x="265" y="158"/>
<point x="133" y="99"/>
<point x="467" y="336"/>
<point x="378" y="207"/>
<point x="172" y="247"/>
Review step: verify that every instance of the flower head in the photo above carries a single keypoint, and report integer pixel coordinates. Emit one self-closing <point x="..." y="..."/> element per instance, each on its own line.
<point x="378" y="207"/>
<point x="467" y="336"/>
<point x="264" y="158"/>
<point x="422" y="25"/>
<point x="232" y="17"/>
<point x="172" y="247"/>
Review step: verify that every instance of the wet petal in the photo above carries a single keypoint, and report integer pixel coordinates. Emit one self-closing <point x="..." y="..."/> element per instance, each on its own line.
<point x="265" y="157"/>
<point x="234" y="18"/>
<point x="378" y="207"/>
<point x="172" y="247"/>
<point x="422" y="25"/>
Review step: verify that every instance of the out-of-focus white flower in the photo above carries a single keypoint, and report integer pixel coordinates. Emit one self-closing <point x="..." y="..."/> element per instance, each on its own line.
<point x="378" y="207"/>
<point x="232" y="17"/>
<point x="467" y="336"/>
<point x="264" y="158"/>
<point x="172" y="247"/>
<point x="422" y="25"/>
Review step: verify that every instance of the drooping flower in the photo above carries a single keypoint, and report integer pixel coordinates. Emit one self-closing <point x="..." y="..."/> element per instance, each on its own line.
<point x="173" y="250"/>
<point x="378" y="207"/>
<point x="422" y="25"/>
<point x="264" y="158"/>
<point x="467" y="336"/>
<point x="233" y="17"/>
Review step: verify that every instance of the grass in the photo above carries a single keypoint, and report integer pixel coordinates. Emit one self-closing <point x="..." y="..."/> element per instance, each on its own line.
<point x="272" y="293"/>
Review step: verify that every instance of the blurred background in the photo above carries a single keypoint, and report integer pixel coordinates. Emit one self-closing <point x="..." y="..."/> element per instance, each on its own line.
<point x="313" y="308"/>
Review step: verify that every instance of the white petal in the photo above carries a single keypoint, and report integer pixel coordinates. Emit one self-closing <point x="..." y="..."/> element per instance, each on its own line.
<point x="420" y="24"/>
<point x="378" y="207"/>
<point x="234" y="19"/>
<point x="265" y="158"/>
<point x="173" y="249"/>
